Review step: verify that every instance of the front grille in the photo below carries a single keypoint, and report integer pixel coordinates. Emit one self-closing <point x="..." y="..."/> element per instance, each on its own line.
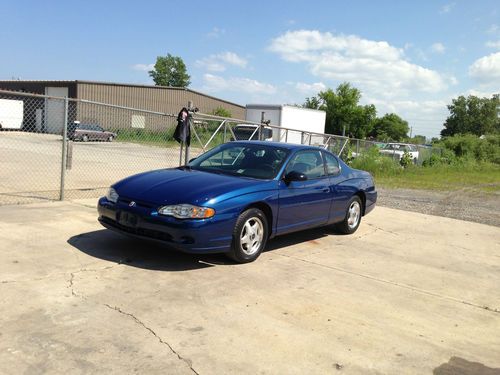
<point x="157" y="235"/>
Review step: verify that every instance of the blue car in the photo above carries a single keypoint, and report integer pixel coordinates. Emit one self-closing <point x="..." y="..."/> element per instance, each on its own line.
<point x="235" y="197"/>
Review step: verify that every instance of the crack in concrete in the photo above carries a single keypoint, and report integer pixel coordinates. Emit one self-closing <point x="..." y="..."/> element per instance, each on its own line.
<point x="400" y="285"/>
<point x="72" y="277"/>
<point x="138" y="321"/>
<point x="381" y="229"/>
<point x="188" y="362"/>
<point x="51" y="275"/>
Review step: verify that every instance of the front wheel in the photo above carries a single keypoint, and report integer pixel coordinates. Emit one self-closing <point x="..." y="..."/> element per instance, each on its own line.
<point x="352" y="216"/>
<point x="85" y="138"/>
<point x="110" y="138"/>
<point x="249" y="236"/>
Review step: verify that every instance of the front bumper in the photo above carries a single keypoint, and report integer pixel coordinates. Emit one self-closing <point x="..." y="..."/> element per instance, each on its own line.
<point x="194" y="236"/>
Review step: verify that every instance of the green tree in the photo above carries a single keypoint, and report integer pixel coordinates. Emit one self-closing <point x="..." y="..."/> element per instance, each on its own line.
<point x="473" y="115"/>
<point x="170" y="71"/>
<point x="221" y="111"/>
<point x="390" y="127"/>
<point x="312" y="103"/>
<point x="343" y="111"/>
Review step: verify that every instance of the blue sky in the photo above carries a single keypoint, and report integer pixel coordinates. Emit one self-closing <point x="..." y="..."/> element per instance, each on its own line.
<point x="406" y="57"/>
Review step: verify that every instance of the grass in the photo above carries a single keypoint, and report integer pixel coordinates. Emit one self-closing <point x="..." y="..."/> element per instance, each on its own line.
<point x="461" y="174"/>
<point x="482" y="177"/>
<point x="165" y="138"/>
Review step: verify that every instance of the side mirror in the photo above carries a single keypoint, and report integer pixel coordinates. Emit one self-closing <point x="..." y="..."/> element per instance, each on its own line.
<point x="190" y="160"/>
<point x="294" y="176"/>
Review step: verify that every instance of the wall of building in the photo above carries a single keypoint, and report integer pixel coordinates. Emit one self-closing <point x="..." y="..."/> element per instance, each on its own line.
<point x="151" y="98"/>
<point x="159" y="99"/>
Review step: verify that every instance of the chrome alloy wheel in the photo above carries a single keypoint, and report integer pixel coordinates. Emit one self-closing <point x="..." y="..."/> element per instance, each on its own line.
<point x="354" y="215"/>
<point x="251" y="236"/>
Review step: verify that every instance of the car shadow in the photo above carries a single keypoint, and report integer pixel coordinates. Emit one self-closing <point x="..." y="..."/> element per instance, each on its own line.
<point x="310" y="235"/>
<point x="107" y="245"/>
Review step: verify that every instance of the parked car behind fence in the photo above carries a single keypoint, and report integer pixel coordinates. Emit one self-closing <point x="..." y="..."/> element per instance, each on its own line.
<point x="89" y="132"/>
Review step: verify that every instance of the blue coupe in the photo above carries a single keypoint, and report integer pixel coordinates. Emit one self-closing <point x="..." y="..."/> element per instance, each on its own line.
<point x="235" y="197"/>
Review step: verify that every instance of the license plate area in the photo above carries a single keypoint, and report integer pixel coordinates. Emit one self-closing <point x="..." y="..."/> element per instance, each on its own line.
<point x="127" y="219"/>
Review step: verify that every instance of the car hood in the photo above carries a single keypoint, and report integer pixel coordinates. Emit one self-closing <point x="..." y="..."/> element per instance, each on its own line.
<point x="174" y="186"/>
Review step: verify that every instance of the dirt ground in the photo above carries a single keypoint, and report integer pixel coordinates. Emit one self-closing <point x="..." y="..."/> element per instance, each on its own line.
<point x="407" y="294"/>
<point x="462" y="205"/>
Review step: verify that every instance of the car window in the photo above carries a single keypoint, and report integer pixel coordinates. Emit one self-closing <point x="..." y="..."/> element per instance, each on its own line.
<point x="233" y="156"/>
<point x="309" y="163"/>
<point x="332" y="164"/>
<point x="256" y="161"/>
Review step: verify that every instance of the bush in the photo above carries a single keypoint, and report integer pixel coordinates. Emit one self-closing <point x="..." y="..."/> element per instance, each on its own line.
<point x="468" y="146"/>
<point x="406" y="160"/>
<point x="444" y="157"/>
<point x="377" y="164"/>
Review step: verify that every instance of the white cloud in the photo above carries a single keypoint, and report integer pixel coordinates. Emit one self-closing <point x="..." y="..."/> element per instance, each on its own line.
<point x="426" y="117"/>
<point x="375" y="66"/>
<point x="215" y="33"/>
<point x="218" y="62"/>
<point x="447" y="8"/>
<point x="143" y="67"/>
<point x="310" y="88"/>
<point x="486" y="70"/>
<point x="493" y="44"/>
<point x="438" y="48"/>
<point x="213" y="83"/>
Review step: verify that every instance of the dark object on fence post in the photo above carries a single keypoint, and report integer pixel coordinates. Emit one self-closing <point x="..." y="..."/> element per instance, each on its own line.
<point x="191" y="111"/>
<point x="182" y="133"/>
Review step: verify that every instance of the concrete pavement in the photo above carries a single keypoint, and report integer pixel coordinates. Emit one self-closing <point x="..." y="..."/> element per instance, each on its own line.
<point x="408" y="293"/>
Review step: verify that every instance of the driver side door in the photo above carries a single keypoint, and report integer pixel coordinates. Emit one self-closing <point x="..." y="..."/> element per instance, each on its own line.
<point x="304" y="204"/>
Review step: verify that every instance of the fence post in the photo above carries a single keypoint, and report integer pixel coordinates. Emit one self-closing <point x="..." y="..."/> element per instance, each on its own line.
<point x="64" y="150"/>
<point x="181" y="153"/>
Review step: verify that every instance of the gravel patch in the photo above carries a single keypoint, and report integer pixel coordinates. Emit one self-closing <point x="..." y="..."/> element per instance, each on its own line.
<point x="462" y="205"/>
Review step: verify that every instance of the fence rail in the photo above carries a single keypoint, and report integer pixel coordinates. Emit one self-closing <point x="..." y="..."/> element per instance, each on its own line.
<point x="63" y="148"/>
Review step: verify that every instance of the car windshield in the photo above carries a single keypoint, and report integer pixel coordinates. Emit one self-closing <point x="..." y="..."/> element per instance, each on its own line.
<point x="246" y="160"/>
<point x="394" y="146"/>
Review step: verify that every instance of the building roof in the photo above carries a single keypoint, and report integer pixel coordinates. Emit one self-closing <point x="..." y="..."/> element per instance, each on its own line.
<point x="121" y="84"/>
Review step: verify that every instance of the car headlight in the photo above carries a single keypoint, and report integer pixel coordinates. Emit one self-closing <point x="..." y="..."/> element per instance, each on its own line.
<point x="187" y="211"/>
<point x="112" y="195"/>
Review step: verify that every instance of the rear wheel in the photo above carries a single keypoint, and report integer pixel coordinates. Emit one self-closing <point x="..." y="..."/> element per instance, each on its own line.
<point x="352" y="216"/>
<point x="249" y="236"/>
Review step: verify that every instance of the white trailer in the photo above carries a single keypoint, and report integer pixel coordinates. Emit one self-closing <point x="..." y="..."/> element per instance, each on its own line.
<point x="11" y="114"/>
<point x="298" y="120"/>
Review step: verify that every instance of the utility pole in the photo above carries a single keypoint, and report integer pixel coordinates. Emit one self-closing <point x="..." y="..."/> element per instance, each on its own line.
<point x="411" y="131"/>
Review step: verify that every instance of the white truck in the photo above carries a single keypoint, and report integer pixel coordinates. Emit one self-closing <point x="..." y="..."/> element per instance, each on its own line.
<point x="11" y="114"/>
<point x="297" y="120"/>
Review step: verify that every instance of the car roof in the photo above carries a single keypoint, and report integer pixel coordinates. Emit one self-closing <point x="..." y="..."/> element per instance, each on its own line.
<point x="289" y="146"/>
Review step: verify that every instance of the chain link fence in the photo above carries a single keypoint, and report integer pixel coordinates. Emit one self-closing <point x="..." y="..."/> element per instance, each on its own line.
<point x="209" y="131"/>
<point x="54" y="148"/>
<point x="61" y="148"/>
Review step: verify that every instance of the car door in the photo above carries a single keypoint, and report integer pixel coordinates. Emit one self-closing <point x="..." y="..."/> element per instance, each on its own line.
<point x="340" y="193"/>
<point x="304" y="204"/>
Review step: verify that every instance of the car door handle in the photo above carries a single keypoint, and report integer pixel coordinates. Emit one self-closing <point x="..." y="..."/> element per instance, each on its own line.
<point x="325" y="190"/>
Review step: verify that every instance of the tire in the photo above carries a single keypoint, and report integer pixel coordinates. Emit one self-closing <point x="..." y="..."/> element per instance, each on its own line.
<point x="85" y="138"/>
<point x="352" y="216"/>
<point x="249" y="236"/>
<point x="110" y="139"/>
